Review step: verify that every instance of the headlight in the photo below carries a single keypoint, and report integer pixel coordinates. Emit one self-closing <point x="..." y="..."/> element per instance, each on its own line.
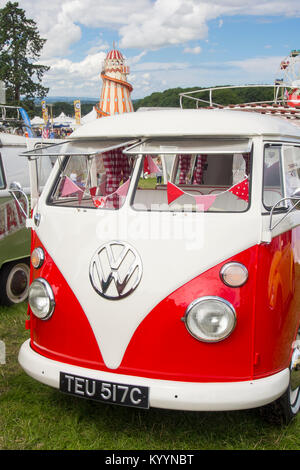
<point x="210" y="319"/>
<point x="41" y="299"/>
<point x="37" y="257"/>
<point x="234" y="274"/>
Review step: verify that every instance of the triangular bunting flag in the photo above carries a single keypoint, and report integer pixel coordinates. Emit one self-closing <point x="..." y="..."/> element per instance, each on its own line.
<point x="146" y="167"/>
<point x="100" y="201"/>
<point x="204" y="202"/>
<point x="173" y="192"/>
<point x="69" y="187"/>
<point x="153" y="168"/>
<point x="241" y="190"/>
<point x="122" y="190"/>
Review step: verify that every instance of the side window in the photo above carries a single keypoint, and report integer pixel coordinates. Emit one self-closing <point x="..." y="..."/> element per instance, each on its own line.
<point x="2" y="179"/>
<point x="272" y="184"/>
<point x="291" y="168"/>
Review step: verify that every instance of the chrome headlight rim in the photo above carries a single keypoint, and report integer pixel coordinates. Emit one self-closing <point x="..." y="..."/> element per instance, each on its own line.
<point x="50" y="295"/>
<point x="204" y="299"/>
<point x="41" y="257"/>
<point x="228" y="266"/>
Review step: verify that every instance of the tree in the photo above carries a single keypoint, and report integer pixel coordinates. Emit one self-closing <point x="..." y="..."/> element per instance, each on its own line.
<point x="20" y="49"/>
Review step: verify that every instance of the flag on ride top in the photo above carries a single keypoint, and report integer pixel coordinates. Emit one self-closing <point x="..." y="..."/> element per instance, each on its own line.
<point x="27" y="122"/>
<point x="44" y="111"/>
<point x="46" y="131"/>
<point x="77" y="108"/>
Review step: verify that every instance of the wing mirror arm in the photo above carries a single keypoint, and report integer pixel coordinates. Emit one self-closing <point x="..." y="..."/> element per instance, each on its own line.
<point x="14" y="189"/>
<point x="295" y="199"/>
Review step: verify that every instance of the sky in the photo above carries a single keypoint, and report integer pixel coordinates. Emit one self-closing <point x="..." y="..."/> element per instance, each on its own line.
<point x="166" y="43"/>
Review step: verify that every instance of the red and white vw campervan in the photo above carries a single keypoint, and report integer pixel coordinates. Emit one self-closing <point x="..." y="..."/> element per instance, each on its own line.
<point x="181" y="293"/>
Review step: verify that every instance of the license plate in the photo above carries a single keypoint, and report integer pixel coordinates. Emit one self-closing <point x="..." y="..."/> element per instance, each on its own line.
<point x="106" y="392"/>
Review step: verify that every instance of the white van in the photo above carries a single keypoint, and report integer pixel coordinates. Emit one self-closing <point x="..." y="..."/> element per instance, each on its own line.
<point x="14" y="203"/>
<point x="183" y="294"/>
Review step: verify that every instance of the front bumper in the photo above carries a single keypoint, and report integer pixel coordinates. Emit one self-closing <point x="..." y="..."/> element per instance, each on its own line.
<point x="217" y="396"/>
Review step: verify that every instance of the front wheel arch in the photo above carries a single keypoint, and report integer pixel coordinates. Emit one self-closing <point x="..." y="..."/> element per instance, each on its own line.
<point x="14" y="282"/>
<point x="286" y="407"/>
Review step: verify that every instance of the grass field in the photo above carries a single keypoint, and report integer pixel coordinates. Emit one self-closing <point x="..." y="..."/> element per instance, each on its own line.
<point x="34" y="416"/>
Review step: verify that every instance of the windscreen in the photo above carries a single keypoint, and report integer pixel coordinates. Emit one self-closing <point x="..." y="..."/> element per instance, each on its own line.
<point x="97" y="181"/>
<point x="216" y="182"/>
<point x="177" y="181"/>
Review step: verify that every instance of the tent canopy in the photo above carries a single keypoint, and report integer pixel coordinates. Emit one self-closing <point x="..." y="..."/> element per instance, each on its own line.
<point x="37" y="121"/>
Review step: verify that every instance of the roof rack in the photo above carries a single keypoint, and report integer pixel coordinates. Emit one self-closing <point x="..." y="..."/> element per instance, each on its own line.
<point x="278" y="106"/>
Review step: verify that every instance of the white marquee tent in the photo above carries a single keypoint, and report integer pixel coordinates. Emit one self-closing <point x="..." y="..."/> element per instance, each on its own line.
<point x="91" y="116"/>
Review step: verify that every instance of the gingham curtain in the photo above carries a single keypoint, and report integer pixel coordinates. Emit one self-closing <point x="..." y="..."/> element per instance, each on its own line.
<point x="199" y="170"/>
<point x="117" y="168"/>
<point x="184" y="166"/>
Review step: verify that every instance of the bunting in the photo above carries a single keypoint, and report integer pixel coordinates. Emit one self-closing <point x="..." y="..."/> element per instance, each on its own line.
<point x="69" y="187"/>
<point x="150" y="166"/>
<point x="205" y="201"/>
<point x="100" y="201"/>
<point x="241" y="190"/>
<point x="173" y="192"/>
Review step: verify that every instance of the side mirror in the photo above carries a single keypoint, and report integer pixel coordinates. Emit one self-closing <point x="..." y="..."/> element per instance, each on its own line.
<point x="16" y="190"/>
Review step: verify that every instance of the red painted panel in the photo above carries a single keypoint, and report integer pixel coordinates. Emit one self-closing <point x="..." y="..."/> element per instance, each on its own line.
<point x="161" y="347"/>
<point x="67" y="336"/>
<point x="277" y="302"/>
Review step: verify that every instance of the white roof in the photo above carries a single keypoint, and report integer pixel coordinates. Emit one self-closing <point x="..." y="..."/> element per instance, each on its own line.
<point x="64" y="119"/>
<point x="37" y="120"/>
<point x="19" y="140"/>
<point x="12" y="139"/>
<point x="186" y="122"/>
<point x="91" y="116"/>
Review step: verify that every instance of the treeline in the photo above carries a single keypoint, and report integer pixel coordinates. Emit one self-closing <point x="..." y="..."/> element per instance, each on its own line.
<point x="170" y="98"/>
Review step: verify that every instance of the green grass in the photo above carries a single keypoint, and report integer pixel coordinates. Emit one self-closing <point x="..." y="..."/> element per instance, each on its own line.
<point x="147" y="183"/>
<point x="34" y="416"/>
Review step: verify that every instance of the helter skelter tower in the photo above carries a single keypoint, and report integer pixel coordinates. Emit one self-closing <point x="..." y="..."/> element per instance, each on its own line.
<point x="115" y="94"/>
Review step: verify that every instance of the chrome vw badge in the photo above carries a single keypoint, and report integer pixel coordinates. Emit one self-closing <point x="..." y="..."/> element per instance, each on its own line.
<point x="115" y="270"/>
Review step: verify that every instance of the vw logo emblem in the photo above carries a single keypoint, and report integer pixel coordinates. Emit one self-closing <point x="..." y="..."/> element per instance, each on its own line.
<point x="115" y="270"/>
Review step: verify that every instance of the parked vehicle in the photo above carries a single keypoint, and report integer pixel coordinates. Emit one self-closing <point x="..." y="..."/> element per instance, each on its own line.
<point x="14" y="237"/>
<point x="183" y="295"/>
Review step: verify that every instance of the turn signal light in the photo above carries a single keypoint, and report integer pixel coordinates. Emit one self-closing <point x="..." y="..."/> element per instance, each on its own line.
<point x="37" y="258"/>
<point x="234" y="274"/>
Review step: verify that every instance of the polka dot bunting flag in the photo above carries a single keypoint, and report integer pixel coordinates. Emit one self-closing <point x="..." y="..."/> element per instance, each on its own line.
<point x="241" y="190"/>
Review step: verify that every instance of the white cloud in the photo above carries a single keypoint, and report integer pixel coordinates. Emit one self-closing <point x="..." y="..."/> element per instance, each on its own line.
<point x="192" y="50"/>
<point x="98" y="45"/>
<point x="143" y="24"/>
<point x="83" y="78"/>
<point x="70" y="78"/>
<point x="259" y="66"/>
<point x="159" y="66"/>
